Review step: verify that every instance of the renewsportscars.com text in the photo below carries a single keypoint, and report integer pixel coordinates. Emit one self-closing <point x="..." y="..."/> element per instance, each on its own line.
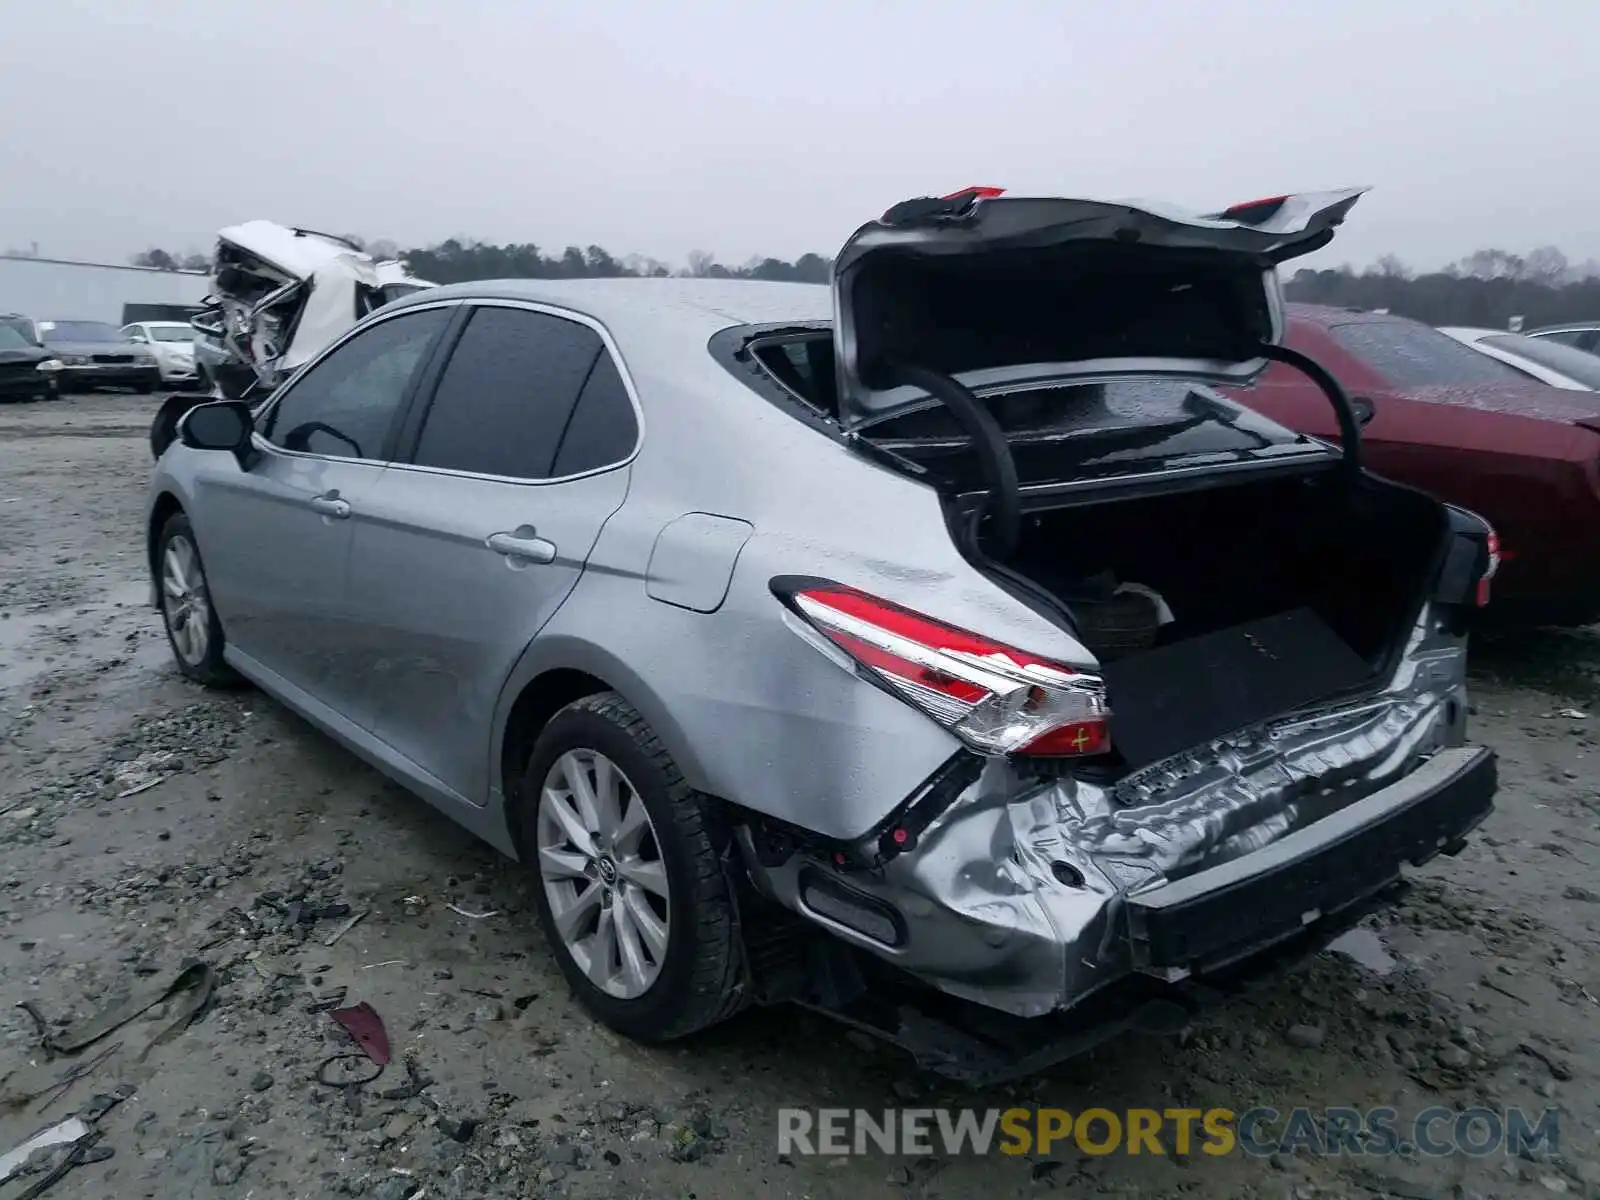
<point x="1259" y="1132"/>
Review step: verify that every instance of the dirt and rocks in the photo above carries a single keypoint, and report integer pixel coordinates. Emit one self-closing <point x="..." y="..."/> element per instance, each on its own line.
<point x="146" y="824"/>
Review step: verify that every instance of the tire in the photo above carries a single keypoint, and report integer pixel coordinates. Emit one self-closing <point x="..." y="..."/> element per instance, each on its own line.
<point x="697" y="977"/>
<point x="199" y="657"/>
<point x="151" y="383"/>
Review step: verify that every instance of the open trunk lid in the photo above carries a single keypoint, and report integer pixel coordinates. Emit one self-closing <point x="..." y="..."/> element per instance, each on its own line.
<point x="1019" y="291"/>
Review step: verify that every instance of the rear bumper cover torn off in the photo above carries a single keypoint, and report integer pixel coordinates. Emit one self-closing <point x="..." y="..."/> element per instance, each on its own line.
<point x="1208" y="919"/>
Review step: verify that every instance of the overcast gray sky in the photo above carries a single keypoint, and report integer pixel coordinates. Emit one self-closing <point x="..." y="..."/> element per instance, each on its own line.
<point x="740" y="127"/>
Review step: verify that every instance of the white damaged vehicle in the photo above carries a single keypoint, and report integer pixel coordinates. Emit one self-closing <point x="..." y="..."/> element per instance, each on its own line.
<point x="280" y="296"/>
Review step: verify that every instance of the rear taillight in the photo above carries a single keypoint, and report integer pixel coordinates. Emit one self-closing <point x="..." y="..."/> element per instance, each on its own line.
<point x="996" y="699"/>
<point x="1481" y="596"/>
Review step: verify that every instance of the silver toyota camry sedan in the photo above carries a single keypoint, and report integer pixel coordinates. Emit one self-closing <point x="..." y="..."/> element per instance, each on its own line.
<point x="937" y="649"/>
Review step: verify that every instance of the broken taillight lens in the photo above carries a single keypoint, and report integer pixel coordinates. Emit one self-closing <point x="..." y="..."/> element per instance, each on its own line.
<point x="1481" y="598"/>
<point x="996" y="699"/>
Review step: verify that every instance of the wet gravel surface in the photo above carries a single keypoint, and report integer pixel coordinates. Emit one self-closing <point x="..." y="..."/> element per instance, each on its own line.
<point x="145" y="823"/>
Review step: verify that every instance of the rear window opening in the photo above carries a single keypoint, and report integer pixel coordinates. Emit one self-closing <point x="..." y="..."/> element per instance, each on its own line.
<point x="1087" y="427"/>
<point x="1072" y="302"/>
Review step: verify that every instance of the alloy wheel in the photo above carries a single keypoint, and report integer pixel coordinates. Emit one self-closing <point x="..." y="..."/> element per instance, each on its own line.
<point x="185" y="602"/>
<point x="603" y="875"/>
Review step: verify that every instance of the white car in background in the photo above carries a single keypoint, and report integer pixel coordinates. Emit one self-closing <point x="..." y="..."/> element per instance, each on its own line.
<point x="1538" y="358"/>
<point x="172" y="343"/>
<point x="1585" y="335"/>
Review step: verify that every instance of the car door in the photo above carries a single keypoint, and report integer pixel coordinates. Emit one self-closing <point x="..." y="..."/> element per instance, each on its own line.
<point x="276" y="537"/>
<point x="517" y="458"/>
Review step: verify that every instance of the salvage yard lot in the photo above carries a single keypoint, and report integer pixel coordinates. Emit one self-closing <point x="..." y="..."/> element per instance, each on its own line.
<point x="144" y="821"/>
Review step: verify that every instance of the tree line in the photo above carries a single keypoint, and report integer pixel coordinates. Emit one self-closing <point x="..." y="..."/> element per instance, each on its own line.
<point x="457" y="261"/>
<point x="1488" y="287"/>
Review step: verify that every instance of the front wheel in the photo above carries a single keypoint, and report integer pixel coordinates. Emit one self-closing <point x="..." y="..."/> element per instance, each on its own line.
<point x="193" y="630"/>
<point x="631" y="891"/>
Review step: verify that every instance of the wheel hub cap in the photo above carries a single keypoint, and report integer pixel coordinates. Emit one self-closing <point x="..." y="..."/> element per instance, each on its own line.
<point x="185" y="601"/>
<point x="602" y="872"/>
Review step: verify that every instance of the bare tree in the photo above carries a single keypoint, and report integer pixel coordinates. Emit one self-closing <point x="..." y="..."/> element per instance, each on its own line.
<point x="1390" y="267"/>
<point x="1492" y="264"/>
<point x="1546" y="265"/>
<point x="157" y="258"/>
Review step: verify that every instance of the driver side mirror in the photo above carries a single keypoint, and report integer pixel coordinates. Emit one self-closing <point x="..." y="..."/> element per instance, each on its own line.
<point x="223" y="425"/>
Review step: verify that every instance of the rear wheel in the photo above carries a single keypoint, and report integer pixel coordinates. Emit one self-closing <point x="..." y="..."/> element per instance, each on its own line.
<point x="193" y="630"/>
<point x="632" y="895"/>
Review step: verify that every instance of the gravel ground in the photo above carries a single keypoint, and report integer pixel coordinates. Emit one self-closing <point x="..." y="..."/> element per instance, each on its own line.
<point x="144" y="822"/>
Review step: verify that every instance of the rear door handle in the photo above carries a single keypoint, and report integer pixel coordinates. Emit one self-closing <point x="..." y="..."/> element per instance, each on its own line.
<point x="330" y="505"/>
<point x="523" y="543"/>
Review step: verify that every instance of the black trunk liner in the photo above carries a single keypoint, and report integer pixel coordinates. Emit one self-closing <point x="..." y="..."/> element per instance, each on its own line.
<point x="1171" y="698"/>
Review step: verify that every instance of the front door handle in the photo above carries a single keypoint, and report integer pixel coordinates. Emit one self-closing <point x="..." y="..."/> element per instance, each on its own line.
<point x="330" y="505"/>
<point x="1363" y="409"/>
<point x="523" y="543"/>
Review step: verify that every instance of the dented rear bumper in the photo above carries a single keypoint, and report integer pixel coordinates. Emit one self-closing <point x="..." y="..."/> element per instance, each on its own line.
<point x="1215" y="917"/>
<point x="1031" y="896"/>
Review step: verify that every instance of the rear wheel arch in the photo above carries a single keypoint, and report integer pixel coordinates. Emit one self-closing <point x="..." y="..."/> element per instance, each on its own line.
<point x="541" y="698"/>
<point x="554" y="672"/>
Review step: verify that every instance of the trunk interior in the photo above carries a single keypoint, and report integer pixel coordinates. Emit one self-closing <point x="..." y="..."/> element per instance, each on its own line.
<point x="1214" y="609"/>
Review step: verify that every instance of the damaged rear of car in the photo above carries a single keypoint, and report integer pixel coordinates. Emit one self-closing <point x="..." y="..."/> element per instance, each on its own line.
<point x="1262" y="719"/>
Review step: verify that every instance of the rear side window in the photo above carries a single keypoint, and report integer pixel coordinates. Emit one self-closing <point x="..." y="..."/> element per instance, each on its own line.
<point x="603" y="429"/>
<point x="507" y="394"/>
<point x="1409" y="354"/>
<point x="1583" y="339"/>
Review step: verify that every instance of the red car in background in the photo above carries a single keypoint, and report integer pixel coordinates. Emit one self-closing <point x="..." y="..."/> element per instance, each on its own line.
<point x="1439" y="416"/>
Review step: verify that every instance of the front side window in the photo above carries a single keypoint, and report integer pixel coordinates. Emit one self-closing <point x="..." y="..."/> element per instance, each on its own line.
<point x="506" y="395"/>
<point x="345" y="405"/>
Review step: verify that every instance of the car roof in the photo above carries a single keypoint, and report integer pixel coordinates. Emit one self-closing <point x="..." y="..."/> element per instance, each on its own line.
<point x="660" y="325"/>
<point x="1470" y="332"/>
<point x="700" y="303"/>
<point x="1327" y="315"/>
